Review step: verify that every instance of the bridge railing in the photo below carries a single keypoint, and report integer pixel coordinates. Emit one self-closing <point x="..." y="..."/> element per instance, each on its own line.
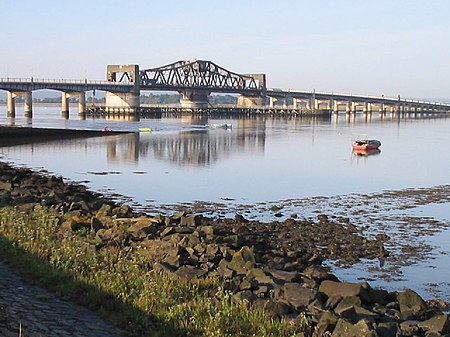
<point x="59" y="81"/>
<point x="362" y="97"/>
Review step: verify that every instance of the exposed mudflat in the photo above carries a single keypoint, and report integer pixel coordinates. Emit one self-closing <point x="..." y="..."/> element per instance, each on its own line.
<point x="412" y="223"/>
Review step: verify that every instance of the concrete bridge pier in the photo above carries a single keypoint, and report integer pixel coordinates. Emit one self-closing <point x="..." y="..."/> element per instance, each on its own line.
<point x="272" y="101"/>
<point x="11" y="104"/>
<point x="249" y="101"/>
<point x="314" y="103"/>
<point x="294" y="103"/>
<point x="28" y="104"/>
<point x="194" y="99"/>
<point x="65" y="105"/>
<point x="335" y="106"/>
<point x="82" y="104"/>
<point x="308" y="104"/>
<point x="367" y="108"/>
<point x="350" y="107"/>
<point x="330" y="105"/>
<point x="126" y="102"/>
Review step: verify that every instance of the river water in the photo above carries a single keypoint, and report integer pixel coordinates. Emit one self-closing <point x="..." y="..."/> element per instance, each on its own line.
<point x="273" y="168"/>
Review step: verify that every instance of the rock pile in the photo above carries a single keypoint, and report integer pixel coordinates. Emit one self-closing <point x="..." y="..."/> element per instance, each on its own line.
<point x="275" y="266"/>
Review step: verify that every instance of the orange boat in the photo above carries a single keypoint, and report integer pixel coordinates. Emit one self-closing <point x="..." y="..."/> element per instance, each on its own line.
<point x="366" y="144"/>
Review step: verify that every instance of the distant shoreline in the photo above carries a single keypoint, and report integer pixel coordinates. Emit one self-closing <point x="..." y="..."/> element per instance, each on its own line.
<point x="46" y="104"/>
<point x="10" y="136"/>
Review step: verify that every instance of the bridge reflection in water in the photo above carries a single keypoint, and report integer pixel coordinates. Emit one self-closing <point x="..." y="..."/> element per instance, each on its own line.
<point x="199" y="147"/>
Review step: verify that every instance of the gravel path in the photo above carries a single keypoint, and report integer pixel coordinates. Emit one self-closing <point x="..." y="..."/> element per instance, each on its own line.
<point x="39" y="313"/>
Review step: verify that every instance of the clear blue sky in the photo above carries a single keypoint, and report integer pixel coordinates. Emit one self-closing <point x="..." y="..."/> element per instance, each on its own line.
<point x="351" y="46"/>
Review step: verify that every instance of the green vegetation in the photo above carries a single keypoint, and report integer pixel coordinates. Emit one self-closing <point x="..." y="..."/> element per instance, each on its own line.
<point x="160" y="99"/>
<point x="120" y="285"/>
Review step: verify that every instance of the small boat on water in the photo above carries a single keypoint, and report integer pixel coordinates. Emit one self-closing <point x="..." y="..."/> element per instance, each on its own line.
<point x="366" y="144"/>
<point x="222" y="126"/>
<point x="145" y="129"/>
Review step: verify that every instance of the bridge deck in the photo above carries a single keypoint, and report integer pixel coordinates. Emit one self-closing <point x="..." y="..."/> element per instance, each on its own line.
<point x="65" y="85"/>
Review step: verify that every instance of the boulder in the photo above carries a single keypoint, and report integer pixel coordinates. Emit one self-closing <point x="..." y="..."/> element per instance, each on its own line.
<point x="190" y="272"/>
<point x="234" y="241"/>
<point x="439" y="323"/>
<point x="409" y="328"/>
<point x="223" y="270"/>
<point x="96" y="224"/>
<point x="297" y="296"/>
<point x="159" y="219"/>
<point x="176" y="257"/>
<point x="345" y="289"/>
<point x="209" y="231"/>
<point x="163" y="268"/>
<point x="364" y="313"/>
<point x="123" y="211"/>
<point x="284" y="276"/>
<point x="322" y="217"/>
<point x="327" y="323"/>
<point x="212" y="249"/>
<point x="245" y="296"/>
<point x="166" y="231"/>
<point x="346" y="307"/>
<point x="191" y="220"/>
<point x="154" y="249"/>
<point x="275" y="309"/>
<point x="411" y="304"/>
<point x="184" y="230"/>
<point x="26" y="208"/>
<point x="248" y="285"/>
<point x="259" y="276"/>
<point x="76" y="223"/>
<point x="6" y="185"/>
<point x="141" y="229"/>
<point x="242" y="260"/>
<point x="178" y="215"/>
<point x="319" y="274"/>
<point x="347" y="329"/>
<point x="379" y="296"/>
<point x="333" y="301"/>
<point x="240" y="219"/>
<point x="387" y="329"/>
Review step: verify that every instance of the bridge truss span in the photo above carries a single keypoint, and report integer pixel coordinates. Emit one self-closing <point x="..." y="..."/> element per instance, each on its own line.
<point x="200" y="75"/>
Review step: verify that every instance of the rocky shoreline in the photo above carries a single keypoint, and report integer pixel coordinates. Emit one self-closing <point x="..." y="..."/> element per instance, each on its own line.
<point x="275" y="266"/>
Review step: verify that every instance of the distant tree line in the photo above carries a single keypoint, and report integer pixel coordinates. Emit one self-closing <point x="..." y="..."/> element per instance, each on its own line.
<point x="175" y="98"/>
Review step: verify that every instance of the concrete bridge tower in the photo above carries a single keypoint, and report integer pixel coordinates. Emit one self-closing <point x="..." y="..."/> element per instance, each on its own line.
<point x="128" y="101"/>
<point x="194" y="99"/>
<point x="258" y="100"/>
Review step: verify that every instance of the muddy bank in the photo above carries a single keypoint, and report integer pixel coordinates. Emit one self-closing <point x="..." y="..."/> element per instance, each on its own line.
<point x="23" y="135"/>
<point x="273" y="265"/>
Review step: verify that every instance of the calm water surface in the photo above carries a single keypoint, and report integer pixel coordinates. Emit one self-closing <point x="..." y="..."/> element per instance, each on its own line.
<point x="260" y="161"/>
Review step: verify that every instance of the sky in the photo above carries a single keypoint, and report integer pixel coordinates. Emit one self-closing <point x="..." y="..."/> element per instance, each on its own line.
<point x="368" y="47"/>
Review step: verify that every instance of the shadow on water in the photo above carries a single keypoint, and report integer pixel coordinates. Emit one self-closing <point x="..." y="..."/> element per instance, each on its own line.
<point x="131" y="320"/>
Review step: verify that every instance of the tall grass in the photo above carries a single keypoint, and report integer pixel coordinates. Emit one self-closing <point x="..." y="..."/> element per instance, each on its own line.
<point x="121" y="286"/>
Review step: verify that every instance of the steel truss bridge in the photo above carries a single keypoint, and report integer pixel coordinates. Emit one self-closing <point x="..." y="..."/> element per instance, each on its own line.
<point x="195" y="80"/>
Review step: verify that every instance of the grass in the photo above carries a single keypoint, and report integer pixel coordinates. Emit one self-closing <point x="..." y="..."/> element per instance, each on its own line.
<point x="122" y="288"/>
